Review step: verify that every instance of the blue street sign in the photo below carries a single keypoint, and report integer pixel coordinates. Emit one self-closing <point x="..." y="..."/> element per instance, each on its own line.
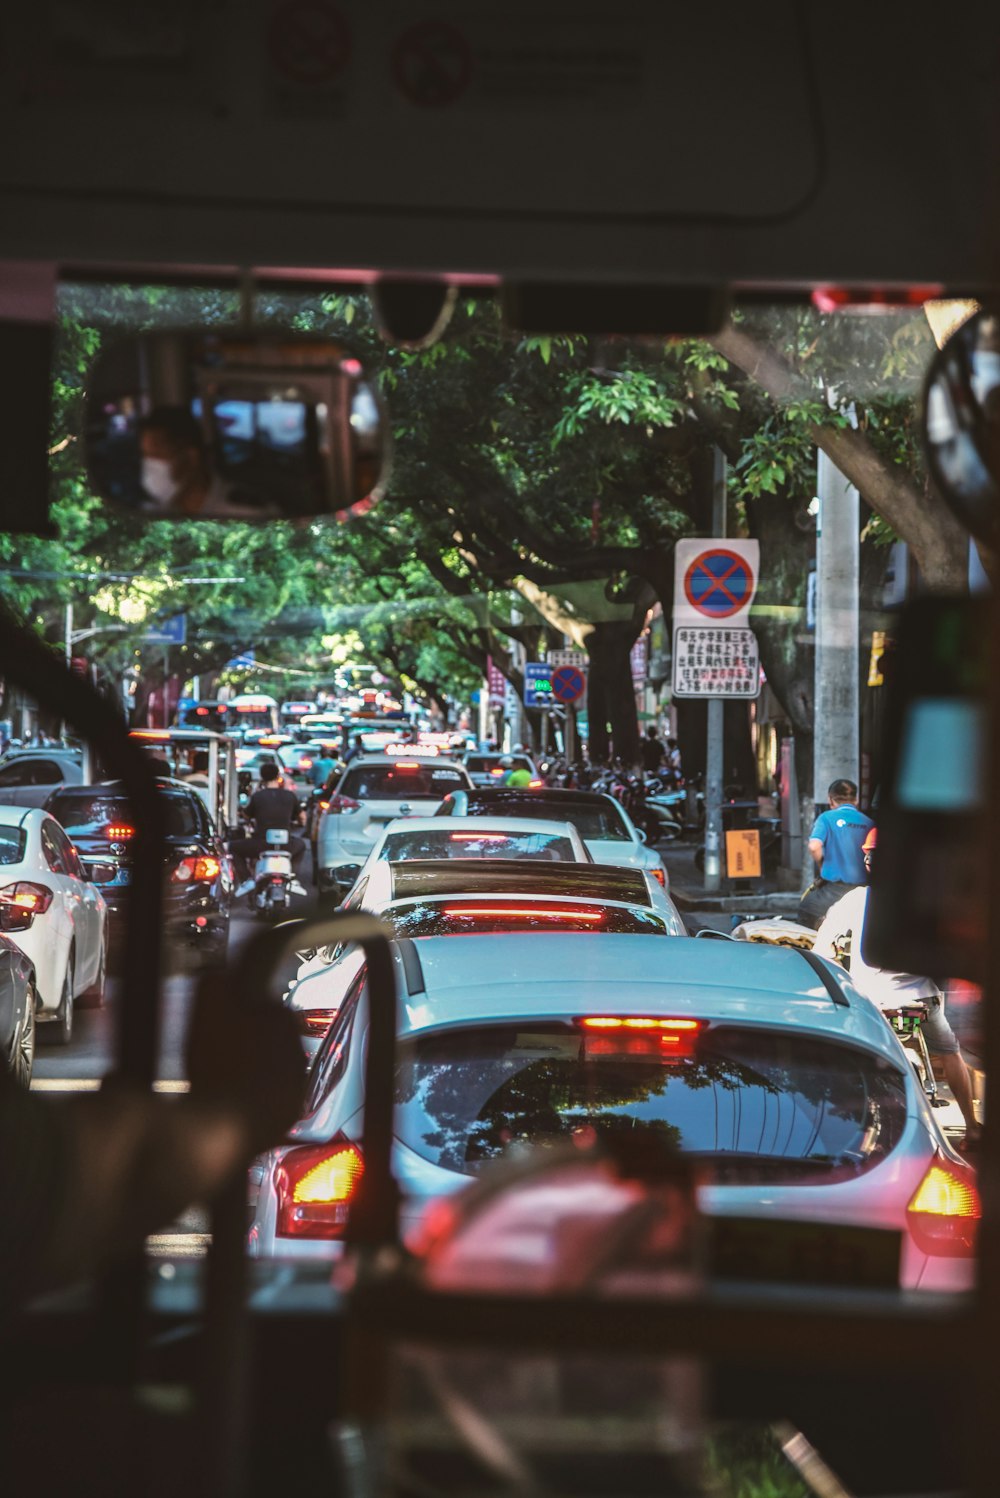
<point x="239" y="662"/>
<point x="537" y="684"/>
<point x="172" y="631"/>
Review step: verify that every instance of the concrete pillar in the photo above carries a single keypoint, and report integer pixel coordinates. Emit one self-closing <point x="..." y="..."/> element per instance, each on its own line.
<point x="836" y="751"/>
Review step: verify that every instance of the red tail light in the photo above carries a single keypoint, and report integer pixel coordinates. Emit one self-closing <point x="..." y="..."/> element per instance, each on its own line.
<point x="480" y="837"/>
<point x="533" y="785"/>
<point x="305" y="764"/>
<point x="532" y="912"/>
<point x="315" y="1186"/>
<point x="315" y="1021"/>
<point x="340" y="804"/>
<point x="118" y="832"/>
<point x="204" y="869"/>
<point x="640" y="1035"/>
<point x="34" y="898"/>
<point x="944" y="1212"/>
<point x="660" y="876"/>
<point x="498" y="772"/>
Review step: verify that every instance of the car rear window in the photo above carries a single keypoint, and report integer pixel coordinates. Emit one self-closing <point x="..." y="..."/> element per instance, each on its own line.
<point x="13" y="843"/>
<point x="590" y="818"/>
<point x="87" y="813"/>
<point x="387" y="783"/>
<point x="759" y="1105"/>
<point x="543" y="847"/>
<point x="480" y="915"/>
<point x="493" y="876"/>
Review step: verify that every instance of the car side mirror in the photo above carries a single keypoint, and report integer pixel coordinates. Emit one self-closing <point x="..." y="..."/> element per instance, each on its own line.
<point x="641" y="835"/>
<point x="99" y="873"/>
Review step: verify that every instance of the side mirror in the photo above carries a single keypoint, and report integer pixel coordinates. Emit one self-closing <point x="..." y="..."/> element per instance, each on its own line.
<point x="641" y="835"/>
<point x="961" y="424"/>
<point x="233" y="426"/>
<point x="100" y="873"/>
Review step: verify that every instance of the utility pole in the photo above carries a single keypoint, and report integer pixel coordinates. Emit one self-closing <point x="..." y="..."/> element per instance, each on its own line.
<point x="716" y="711"/>
<point x="836" y="753"/>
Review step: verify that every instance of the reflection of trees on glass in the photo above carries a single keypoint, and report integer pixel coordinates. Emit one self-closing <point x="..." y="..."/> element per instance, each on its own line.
<point x="430" y="918"/>
<point x="466" y="1098"/>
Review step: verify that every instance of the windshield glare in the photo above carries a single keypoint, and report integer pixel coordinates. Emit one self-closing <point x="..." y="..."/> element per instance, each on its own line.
<point x="545" y="846"/>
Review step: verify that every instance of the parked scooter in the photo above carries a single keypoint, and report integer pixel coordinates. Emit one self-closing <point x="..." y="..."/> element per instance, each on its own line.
<point x="274" y="879"/>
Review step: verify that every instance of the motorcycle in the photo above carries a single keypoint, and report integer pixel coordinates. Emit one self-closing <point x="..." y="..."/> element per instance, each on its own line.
<point x="274" y="880"/>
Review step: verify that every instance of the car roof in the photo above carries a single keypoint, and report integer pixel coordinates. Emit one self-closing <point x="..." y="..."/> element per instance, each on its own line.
<point x="44" y="751"/>
<point x="14" y="816"/>
<point x="119" y="788"/>
<point x="500" y="793"/>
<point x="435" y="762"/>
<point x="515" y="876"/>
<point x="501" y="977"/>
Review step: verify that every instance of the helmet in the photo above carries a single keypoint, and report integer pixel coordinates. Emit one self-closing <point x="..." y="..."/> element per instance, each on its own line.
<point x="506" y="761"/>
<point x="870" y="841"/>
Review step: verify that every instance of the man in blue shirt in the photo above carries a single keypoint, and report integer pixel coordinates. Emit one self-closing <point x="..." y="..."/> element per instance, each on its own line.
<point x="836" y="846"/>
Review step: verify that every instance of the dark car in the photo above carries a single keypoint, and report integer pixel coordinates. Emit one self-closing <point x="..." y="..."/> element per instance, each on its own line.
<point x="17" y="1008"/>
<point x="198" y="889"/>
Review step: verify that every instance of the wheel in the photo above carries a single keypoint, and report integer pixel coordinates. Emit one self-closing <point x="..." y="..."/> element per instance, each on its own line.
<point x="62" y="1029"/>
<point x="93" y="996"/>
<point x="23" y="1058"/>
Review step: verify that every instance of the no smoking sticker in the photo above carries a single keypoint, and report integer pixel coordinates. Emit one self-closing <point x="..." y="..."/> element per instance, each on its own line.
<point x="432" y="64"/>
<point x="308" y="48"/>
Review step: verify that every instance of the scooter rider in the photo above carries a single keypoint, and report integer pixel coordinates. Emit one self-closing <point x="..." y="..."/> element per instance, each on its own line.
<point x="271" y="807"/>
<point x="844" y="923"/>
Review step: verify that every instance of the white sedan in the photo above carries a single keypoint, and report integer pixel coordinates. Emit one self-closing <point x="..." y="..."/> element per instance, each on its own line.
<point x="56" y="917"/>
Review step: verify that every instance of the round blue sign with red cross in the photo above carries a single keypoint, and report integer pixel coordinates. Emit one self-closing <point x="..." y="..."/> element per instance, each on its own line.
<point x="568" y="683"/>
<point x="719" y="583"/>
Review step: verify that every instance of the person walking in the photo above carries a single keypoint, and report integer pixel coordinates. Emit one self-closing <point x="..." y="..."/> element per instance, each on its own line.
<point x="835" y="843"/>
<point x="651" y="750"/>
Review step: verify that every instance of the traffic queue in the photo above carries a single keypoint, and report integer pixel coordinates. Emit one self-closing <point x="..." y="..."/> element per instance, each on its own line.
<point x="577" y="1005"/>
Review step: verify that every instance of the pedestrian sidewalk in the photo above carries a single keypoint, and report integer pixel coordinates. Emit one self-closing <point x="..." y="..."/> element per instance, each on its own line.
<point x="687" y="888"/>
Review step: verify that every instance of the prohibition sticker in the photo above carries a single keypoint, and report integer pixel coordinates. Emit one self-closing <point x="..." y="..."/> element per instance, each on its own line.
<point x="432" y="64"/>
<point x="715" y="581"/>
<point x="568" y="683"/>
<point x="309" y="41"/>
<point x="718" y="584"/>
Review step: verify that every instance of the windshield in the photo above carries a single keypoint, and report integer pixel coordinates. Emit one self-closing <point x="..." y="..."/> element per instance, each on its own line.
<point x="13" y="843"/>
<point x="547" y="847"/>
<point x="761" y="1104"/>
<point x="490" y="764"/>
<point x="599" y="820"/>
<point x="390" y="783"/>
<point x="88" y="813"/>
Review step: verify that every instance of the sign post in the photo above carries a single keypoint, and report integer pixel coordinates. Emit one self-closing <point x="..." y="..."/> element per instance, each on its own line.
<point x="715" y="653"/>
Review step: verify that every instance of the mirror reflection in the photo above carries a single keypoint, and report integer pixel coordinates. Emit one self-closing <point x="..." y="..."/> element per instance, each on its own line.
<point x="223" y="426"/>
<point x="962" y="423"/>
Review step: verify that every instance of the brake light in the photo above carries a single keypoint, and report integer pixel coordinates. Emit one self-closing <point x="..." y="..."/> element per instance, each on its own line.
<point x="640" y="1035"/>
<point x="315" y="1186"/>
<point x="480" y="837"/>
<point x="498" y="772"/>
<point x="324" y="806"/>
<point x="532" y="913"/>
<point x="660" y="876"/>
<point x="189" y="869"/>
<point x="117" y="832"/>
<point x="305" y="764"/>
<point x="315" y="1021"/>
<point x="872" y="298"/>
<point x="201" y="712"/>
<point x="151" y="735"/>
<point x="533" y="785"/>
<point x="944" y="1212"/>
<point x="406" y="764"/>
<point x="24" y="895"/>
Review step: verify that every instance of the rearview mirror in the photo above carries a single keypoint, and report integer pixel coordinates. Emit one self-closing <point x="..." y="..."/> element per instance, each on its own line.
<point x="233" y="426"/>
<point x="961" y="424"/>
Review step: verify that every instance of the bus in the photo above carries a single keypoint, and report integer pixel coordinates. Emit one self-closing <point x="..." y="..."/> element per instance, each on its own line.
<point x="253" y="710"/>
<point x="209" y="712"/>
